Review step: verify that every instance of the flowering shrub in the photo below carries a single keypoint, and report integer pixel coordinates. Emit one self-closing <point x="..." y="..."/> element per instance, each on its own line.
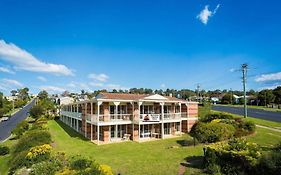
<point x="39" y="153"/>
<point x="234" y="157"/>
<point x="106" y="170"/>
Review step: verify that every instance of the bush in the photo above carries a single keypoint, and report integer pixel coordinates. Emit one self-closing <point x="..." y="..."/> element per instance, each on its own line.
<point x="4" y="150"/>
<point x="20" y="129"/>
<point x="36" y="111"/>
<point x="39" y="153"/>
<point x="212" y="132"/>
<point x="18" y="161"/>
<point x="235" y="157"/>
<point x="270" y="163"/>
<point x="85" y="166"/>
<point x="211" y="116"/>
<point x="106" y="170"/>
<point x="32" y="138"/>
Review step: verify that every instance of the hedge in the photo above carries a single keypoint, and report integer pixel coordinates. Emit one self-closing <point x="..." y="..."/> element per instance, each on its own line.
<point x="212" y="132"/>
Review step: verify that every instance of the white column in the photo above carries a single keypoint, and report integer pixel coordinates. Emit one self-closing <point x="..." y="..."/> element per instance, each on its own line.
<point x="98" y="127"/>
<point x="162" y="123"/>
<point x="140" y="103"/>
<point x="91" y="121"/>
<point x="133" y="127"/>
<point x="77" y="123"/>
<point x="86" y="120"/>
<point x="180" y="119"/>
<point x="187" y="121"/>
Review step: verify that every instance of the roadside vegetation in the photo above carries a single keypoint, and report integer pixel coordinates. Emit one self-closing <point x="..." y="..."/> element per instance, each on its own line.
<point x="31" y="149"/>
<point x="19" y="98"/>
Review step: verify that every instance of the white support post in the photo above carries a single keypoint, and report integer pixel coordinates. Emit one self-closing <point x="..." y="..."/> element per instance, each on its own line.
<point x="86" y="120"/>
<point x="187" y="121"/>
<point x="91" y="121"/>
<point x="140" y="103"/>
<point x="162" y="123"/>
<point x="180" y="120"/>
<point x="133" y="119"/>
<point x="98" y="127"/>
<point x="77" y="123"/>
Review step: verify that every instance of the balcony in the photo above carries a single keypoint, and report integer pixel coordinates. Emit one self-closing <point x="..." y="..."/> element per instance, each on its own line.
<point x="172" y="116"/>
<point x="110" y="118"/>
<point x="150" y="117"/>
<point x="71" y="114"/>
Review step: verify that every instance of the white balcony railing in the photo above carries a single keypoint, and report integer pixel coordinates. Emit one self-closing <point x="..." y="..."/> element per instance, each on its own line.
<point x="71" y="114"/>
<point x="172" y="116"/>
<point x="150" y="117"/>
<point x="109" y="117"/>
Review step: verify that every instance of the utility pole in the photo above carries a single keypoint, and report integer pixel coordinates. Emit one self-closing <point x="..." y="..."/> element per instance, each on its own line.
<point x="244" y="71"/>
<point x="198" y="94"/>
<point x="231" y="94"/>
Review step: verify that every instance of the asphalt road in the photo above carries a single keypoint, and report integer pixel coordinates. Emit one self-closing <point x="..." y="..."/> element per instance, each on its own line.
<point x="255" y="113"/>
<point x="7" y="126"/>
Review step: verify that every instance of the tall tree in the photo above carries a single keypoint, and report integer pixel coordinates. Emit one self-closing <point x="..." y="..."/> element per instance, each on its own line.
<point x="265" y="97"/>
<point x="277" y="93"/>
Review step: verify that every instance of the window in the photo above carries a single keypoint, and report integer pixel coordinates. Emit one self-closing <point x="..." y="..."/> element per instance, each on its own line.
<point x="178" y="126"/>
<point x="112" y="109"/>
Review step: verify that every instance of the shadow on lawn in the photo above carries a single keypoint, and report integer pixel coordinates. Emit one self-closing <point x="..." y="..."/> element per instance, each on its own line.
<point x="186" y="142"/>
<point x="70" y="131"/>
<point x="194" y="162"/>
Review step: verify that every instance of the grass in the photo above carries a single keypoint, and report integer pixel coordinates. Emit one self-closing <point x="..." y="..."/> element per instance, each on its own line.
<point x="156" y="157"/>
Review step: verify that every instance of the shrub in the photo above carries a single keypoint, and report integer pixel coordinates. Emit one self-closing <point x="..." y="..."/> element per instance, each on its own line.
<point x="20" y="129"/>
<point x="4" y="150"/>
<point x="85" y="166"/>
<point x="36" y="111"/>
<point x="32" y="138"/>
<point x="212" y="116"/>
<point x="67" y="171"/>
<point x="49" y="167"/>
<point x="19" y="160"/>
<point x="270" y="163"/>
<point x="234" y="157"/>
<point x="39" y="153"/>
<point x="106" y="170"/>
<point x="80" y="163"/>
<point x="212" y="132"/>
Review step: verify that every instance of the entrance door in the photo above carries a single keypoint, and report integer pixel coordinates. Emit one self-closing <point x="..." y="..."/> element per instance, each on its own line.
<point x="167" y="128"/>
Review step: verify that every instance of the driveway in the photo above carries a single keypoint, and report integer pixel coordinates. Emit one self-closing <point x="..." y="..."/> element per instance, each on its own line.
<point x="255" y="113"/>
<point x="7" y="126"/>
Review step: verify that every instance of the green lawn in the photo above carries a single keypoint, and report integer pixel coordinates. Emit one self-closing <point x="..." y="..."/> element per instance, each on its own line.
<point x="155" y="157"/>
<point x="127" y="158"/>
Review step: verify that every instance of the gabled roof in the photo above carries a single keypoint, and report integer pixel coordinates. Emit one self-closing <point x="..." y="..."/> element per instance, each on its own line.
<point x="136" y="97"/>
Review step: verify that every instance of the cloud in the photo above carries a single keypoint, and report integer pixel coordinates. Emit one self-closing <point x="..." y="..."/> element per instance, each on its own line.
<point x="205" y="14"/>
<point x="269" y="77"/>
<point x="270" y="87"/>
<point x="10" y="82"/>
<point x="98" y="77"/>
<point x="23" y="60"/>
<point x="42" y="78"/>
<point x="163" y="85"/>
<point x="52" y="89"/>
<point x="6" y="70"/>
<point x="96" y="84"/>
<point x="72" y="85"/>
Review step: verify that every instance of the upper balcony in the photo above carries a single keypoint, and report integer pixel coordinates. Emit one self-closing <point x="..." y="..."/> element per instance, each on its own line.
<point x="110" y="118"/>
<point x="71" y="114"/>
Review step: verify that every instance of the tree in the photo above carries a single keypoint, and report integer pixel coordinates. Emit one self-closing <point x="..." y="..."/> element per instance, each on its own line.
<point x="43" y="95"/>
<point x="277" y="93"/>
<point x="20" y="129"/>
<point x="265" y="97"/>
<point x="226" y="99"/>
<point x="14" y="92"/>
<point x="23" y="94"/>
<point x="36" y="111"/>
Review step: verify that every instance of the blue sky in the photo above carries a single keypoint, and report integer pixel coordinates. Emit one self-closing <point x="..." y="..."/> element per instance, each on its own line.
<point x="73" y="45"/>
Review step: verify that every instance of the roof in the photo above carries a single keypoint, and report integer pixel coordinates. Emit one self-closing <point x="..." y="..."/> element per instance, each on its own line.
<point x="137" y="97"/>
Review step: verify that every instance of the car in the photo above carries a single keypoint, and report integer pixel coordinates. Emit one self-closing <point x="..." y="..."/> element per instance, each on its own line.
<point x="4" y="119"/>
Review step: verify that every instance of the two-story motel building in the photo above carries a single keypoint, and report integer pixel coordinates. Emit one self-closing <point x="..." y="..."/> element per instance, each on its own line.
<point x="116" y="117"/>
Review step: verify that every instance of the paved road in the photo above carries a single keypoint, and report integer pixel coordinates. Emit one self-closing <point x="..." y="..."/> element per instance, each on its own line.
<point x="256" y="113"/>
<point x="7" y="126"/>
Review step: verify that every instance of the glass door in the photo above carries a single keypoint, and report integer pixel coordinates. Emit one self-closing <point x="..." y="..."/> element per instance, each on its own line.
<point x="167" y="128"/>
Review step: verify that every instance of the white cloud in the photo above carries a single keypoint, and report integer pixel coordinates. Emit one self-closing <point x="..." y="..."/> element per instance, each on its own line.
<point x="13" y="83"/>
<point x="270" y="87"/>
<point x="72" y="85"/>
<point x="96" y="84"/>
<point x="23" y="60"/>
<point x="42" y="78"/>
<point x="269" y="77"/>
<point x="163" y="85"/>
<point x="6" y="70"/>
<point x="205" y="14"/>
<point x="115" y="86"/>
<point x="98" y="77"/>
<point x="52" y="89"/>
